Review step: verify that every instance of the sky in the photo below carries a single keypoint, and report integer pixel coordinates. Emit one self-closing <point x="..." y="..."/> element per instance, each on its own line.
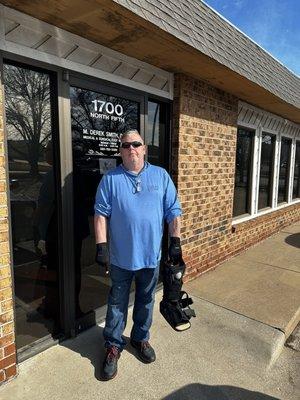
<point x="273" y="24"/>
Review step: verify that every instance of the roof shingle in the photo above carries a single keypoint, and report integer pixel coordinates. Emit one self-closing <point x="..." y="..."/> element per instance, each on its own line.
<point x="199" y="26"/>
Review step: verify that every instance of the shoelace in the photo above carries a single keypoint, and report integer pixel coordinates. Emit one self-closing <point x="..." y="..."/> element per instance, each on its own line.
<point x="112" y="353"/>
<point x="145" y="345"/>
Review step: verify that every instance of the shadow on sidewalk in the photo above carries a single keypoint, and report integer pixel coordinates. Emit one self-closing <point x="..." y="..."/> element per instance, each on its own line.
<point x="293" y="240"/>
<point x="91" y="346"/>
<point x="197" y="391"/>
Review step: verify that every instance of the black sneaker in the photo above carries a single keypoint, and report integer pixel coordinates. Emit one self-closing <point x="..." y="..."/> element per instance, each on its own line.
<point x="110" y="364"/>
<point x="145" y="352"/>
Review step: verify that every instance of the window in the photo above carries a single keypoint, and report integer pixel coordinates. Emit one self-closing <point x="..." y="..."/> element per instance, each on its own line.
<point x="243" y="167"/>
<point x="296" y="183"/>
<point x="31" y="141"/>
<point x="267" y="162"/>
<point x="156" y="133"/>
<point x="284" y="170"/>
<point x="266" y="170"/>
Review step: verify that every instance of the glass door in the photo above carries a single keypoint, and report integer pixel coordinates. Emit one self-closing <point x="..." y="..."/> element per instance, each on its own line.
<point x="99" y="115"/>
<point x="31" y="131"/>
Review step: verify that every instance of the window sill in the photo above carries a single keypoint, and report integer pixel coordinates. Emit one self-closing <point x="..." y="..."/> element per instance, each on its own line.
<point x="244" y="218"/>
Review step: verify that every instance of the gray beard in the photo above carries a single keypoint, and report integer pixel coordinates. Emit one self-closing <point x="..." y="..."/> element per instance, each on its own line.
<point x="134" y="166"/>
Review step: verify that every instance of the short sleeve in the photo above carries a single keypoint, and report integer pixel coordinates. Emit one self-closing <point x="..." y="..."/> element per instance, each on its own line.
<point x="103" y="198"/>
<point x="172" y="208"/>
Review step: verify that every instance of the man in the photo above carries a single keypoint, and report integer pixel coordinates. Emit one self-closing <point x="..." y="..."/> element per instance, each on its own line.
<point x="133" y="200"/>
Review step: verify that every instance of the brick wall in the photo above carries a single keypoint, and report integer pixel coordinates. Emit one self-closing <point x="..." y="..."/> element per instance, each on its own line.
<point x="7" y="338"/>
<point x="254" y="231"/>
<point x="203" y="166"/>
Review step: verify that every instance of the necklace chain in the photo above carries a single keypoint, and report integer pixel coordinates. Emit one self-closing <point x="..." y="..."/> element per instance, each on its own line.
<point x="135" y="181"/>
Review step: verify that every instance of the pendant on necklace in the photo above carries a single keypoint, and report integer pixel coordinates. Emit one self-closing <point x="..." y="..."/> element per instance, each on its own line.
<point x="138" y="186"/>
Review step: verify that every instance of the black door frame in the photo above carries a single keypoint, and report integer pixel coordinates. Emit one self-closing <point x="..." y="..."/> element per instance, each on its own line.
<point x="47" y="340"/>
<point x="62" y="80"/>
<point x="97" y="85"/>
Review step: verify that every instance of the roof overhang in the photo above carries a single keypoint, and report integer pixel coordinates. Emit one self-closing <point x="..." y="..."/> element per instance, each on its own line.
<point x="109" y="24"/>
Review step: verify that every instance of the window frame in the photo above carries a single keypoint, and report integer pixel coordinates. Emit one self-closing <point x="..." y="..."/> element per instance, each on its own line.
<point x="251" y="180"/>
<point x="293" y="160"/>
<point x="272" y="174"/>
<point x="255" y="173"/>
<point x="289" y="175"/>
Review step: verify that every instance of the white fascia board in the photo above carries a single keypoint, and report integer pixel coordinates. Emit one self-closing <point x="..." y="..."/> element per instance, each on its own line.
<point x="290" y="135"/>
<point x="13" y="48"/>
<point x="247" y="125"/>
<point x="34" y="23"/>
<point x="268" y="114"/>
<point x="60" y="34"/>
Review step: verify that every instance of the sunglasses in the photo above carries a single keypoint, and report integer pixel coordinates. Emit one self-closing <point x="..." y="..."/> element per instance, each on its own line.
<point x="126" y="145"/>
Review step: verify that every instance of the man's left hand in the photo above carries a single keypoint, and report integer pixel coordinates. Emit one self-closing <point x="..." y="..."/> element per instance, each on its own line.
<point x="175" y="252"/>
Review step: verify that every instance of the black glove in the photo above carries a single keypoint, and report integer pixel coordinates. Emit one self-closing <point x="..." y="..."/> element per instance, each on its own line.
<point x="175" y="252"/>
<point x="102" y="256"/>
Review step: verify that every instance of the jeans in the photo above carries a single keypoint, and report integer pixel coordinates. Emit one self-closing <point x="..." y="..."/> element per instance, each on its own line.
<point x="116" y="317"/>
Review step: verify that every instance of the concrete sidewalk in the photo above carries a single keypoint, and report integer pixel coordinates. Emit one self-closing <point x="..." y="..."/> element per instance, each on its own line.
<point x="245" y="310"/>
<point x="262" y="284"/>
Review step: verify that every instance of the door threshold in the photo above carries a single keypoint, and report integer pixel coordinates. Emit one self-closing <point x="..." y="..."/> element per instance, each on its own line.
<point x="38" y="346"/>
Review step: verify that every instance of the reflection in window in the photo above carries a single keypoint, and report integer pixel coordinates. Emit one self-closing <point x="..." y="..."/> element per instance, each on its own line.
<point x="33" y="205"/>
<point x="156" y="133"/>
<point x="296" y="183"/>
<point x="266" y="170"/>
<point x="284" y="170"/>
<point x="243" y="167"/>
<point x="98" y="120"/>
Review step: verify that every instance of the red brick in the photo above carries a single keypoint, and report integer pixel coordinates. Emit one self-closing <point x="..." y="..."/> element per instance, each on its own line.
<point x="10" y="349"/>
<point x="6" y="317"/>
<point x="6" y="340"/>
<point x="7" y="361"/>
<point x="5" y="294"/>
<point x="11" y="371"/>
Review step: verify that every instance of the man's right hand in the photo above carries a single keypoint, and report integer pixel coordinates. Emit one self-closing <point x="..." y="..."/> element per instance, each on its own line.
<point x="102" y="256"/>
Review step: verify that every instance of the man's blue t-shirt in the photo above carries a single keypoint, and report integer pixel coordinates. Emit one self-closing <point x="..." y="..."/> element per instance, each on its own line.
<point x="136" y="207"/>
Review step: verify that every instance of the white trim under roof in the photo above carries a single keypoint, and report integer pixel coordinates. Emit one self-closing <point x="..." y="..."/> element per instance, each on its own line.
<point x="26" y="36"/>
<point x="253" y="117"/>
